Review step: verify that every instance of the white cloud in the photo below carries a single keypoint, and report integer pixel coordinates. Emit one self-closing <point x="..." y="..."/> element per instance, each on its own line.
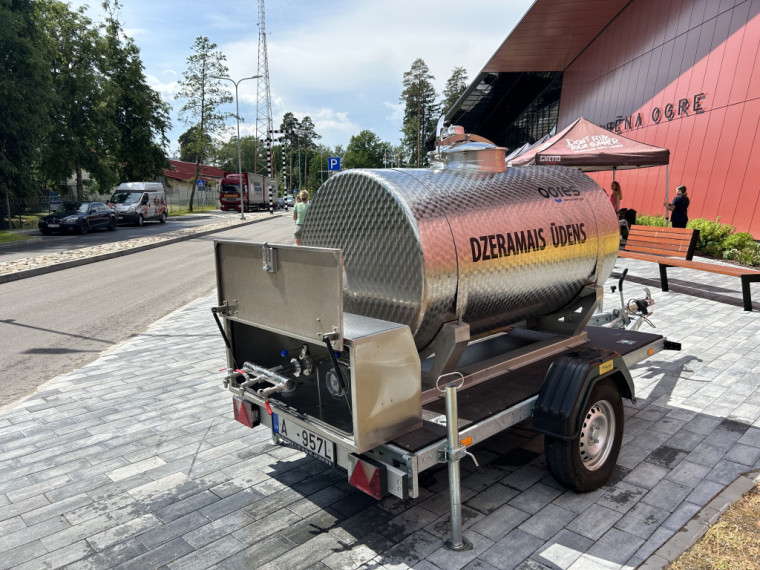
<point x="167" y="90"/>
<point x="134" y="32"/>
<point x="396" y="112"/>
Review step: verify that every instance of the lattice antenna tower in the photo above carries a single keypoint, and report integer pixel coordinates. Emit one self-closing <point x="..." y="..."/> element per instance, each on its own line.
<point x="264" y="99"/>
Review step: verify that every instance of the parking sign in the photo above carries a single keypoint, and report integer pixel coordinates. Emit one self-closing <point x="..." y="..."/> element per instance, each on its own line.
<point x="333" y="163"/>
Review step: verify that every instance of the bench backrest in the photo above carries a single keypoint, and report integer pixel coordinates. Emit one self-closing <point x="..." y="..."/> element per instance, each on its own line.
<point x="662" y="241"/>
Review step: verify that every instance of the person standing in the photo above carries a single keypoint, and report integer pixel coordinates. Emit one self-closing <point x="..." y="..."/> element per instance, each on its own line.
<point x="616" y="196"/>
<point x="299" y="214"/>
<point x="680" y="208"/>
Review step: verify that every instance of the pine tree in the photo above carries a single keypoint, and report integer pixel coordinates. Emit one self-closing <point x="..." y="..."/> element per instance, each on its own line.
<point x="455" y="86"/>
<point x="420" y="111"/>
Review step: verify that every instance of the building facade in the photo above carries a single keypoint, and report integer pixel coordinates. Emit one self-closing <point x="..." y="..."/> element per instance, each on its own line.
<point x="679" y="74"/>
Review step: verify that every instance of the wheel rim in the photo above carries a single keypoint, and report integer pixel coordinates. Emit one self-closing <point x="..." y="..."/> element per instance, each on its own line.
<point x="597" y="435"/>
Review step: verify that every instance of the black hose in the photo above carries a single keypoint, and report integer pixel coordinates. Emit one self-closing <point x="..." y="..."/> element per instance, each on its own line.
<point x="215" y="312"/>
<point x="338" y="371"/>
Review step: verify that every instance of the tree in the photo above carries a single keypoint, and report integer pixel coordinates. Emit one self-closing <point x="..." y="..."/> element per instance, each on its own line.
<point x="318" y="166"/>
<point x="300" y="137"/>
<point x="24" y="92"/>
<point x="140" y="115"/>
<point x="420" y="111"/>
<point x="365" y="150"/>
<point x="226" y="155"/>
<point x="83" y="132"/>
<point x="455" y="86"/>
<point x="188" y="145"/>
<point x="204" y="94"/>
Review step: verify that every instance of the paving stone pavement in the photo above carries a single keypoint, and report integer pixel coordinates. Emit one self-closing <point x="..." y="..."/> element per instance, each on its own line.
<point x="134" y="461"/>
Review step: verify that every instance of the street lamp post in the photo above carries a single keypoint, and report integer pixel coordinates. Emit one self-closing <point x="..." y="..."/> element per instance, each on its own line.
<point x="237" y="116"/>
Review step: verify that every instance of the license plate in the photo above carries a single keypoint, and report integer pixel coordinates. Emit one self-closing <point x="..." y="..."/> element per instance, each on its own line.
<point x="121" y="217"/>
<point x="304" y="439"/>
<point x="54" y="225"/>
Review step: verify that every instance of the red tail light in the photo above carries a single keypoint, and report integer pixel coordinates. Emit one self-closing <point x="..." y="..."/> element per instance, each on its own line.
<point x="245" y="413"/>
<point x="368" y="477"/>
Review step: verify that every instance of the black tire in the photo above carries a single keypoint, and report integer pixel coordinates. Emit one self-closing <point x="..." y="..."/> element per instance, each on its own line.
<point x="112" y="225"/>
<point x="140" y="221"/>
<point x="46" y="231"/>
<point x="163" y="218"/>
<point x="586" y="462"/>
<point x="85" y="228"/>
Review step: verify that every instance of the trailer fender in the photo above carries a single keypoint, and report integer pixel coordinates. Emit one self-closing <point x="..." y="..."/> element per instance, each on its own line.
<point x="568" y="384"/>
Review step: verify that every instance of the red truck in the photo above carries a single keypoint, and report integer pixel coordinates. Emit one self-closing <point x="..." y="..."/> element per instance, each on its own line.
<point x="255" y="192"/>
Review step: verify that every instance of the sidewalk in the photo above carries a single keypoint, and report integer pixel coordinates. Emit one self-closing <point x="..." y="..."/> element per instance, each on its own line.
<point x="134" y="461"/>
<point x="41" y="264"/>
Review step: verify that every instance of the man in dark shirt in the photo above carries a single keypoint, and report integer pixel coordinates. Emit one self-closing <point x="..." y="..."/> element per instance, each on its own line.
<point x="679" y="207"/>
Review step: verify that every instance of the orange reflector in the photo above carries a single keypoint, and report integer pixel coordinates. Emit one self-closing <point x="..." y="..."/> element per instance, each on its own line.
<point x="466" y="441"/>
<point x="650" y="352"/>
<point x="268" y="407"/>
<point x="245" y="413"/>
<point x="366" y="477"/>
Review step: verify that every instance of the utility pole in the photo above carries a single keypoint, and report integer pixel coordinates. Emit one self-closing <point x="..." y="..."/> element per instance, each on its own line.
<point x="264" y="99"/>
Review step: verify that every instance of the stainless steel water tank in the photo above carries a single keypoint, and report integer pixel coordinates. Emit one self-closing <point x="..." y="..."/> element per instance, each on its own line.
<point x="424" y="247"/>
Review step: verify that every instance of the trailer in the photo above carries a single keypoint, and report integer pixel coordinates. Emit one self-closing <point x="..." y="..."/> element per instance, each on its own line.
<point x="405" y="333"/>
<point x="256" y="192"/>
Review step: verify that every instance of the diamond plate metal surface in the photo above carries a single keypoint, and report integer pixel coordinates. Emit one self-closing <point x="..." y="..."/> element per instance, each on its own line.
<point x="424" y="247"/>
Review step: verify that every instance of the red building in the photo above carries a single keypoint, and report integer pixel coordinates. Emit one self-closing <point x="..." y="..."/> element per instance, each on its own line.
<point x="680" y="74"/>
<point x="181" y="173"/>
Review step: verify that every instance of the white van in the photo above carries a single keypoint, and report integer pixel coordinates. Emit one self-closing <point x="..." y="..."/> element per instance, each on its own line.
<point x="136" y="202"/>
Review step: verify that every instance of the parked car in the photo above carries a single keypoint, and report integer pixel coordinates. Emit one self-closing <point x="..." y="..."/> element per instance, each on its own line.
<point x="280" y="203"/>
<point x="78" y="217"/>
<point x="136" y="202"/>
<point x="290" y="200"/>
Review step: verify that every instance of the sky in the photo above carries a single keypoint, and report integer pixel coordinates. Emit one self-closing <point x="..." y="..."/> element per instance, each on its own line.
<point x="341" y="62"/>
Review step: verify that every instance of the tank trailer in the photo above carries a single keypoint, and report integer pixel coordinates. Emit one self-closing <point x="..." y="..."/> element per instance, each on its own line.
<point x="429" y="310"/>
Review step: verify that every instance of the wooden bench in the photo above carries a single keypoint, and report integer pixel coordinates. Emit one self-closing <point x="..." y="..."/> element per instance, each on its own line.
<point x="674" y="247"/>
<point x="649" y="243"/>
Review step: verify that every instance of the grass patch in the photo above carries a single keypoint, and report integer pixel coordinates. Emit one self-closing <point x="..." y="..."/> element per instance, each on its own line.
<point x="8" y="237"/>
<point x="186" y="212"/>
<point x="733" y="543"/>
<point x="26" y="222"/>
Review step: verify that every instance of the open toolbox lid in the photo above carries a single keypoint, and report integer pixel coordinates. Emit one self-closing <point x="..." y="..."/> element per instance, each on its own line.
<point x="296" y="291"/>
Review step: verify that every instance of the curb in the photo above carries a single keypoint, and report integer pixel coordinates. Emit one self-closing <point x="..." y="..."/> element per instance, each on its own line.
<point x="701" y="522"/>
<point x="18" y="275"/>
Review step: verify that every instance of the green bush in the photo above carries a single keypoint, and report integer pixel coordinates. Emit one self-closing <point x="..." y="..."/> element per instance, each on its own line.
<point x="644" y="220"/>
<point x="711" y="235"/>
<point x="747" y="255"/>
<point x="739" y="240"/>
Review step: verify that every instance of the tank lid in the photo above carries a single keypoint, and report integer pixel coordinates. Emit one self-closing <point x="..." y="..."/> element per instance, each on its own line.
<point x="459" y="150"/>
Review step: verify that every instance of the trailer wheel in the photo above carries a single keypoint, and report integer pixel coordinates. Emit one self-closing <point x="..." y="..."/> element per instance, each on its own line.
<point x="586" y="462"/>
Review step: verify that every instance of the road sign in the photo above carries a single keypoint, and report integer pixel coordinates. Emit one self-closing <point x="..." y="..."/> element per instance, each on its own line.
<point x="201" y="183"/>
<point x="333" y="163"/>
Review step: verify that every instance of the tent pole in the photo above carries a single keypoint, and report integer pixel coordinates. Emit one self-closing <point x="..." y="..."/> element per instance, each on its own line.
<point x="667" y="185"/>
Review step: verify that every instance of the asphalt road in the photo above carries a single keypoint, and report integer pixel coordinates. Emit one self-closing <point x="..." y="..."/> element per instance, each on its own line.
<point x="61" y="242"/>
<point x="54" y="323"/>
